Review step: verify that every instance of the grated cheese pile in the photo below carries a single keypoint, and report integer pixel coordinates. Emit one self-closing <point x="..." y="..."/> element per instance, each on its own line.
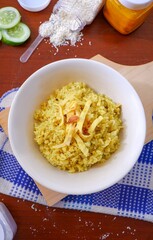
<point x="68" y="19"/>
<point x="77" y="128"/>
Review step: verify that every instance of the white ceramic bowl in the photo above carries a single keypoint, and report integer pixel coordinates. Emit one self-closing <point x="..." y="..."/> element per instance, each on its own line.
<point x="102" y="79"/>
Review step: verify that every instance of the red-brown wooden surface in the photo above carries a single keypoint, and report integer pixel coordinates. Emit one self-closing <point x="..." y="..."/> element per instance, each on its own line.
<point x="35" y="221"/>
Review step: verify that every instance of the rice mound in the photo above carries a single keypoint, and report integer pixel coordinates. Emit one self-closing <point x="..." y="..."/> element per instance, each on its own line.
<point x="76" y="128"/>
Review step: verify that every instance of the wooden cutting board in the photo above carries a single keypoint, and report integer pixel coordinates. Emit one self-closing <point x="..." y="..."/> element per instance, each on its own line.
<point x="141" y="77"/>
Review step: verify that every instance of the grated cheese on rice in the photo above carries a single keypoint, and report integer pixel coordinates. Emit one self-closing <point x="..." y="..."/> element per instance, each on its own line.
<point x="77" y="128"/>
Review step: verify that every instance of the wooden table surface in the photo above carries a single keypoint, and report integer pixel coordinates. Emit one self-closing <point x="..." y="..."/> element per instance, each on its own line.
<point x="35" y="221"/>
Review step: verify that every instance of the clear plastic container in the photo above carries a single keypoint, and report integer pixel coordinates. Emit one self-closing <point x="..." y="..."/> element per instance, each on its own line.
<point x="8" y="226"/>
<point x="83" y="12"/>
<point x="127" y="15"/>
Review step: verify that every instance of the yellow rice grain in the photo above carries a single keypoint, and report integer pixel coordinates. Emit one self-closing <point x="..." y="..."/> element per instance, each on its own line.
<point x="51" y="124"/>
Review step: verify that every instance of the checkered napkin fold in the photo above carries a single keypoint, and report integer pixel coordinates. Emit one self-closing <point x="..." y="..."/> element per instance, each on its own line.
<point x="130" y="197"/>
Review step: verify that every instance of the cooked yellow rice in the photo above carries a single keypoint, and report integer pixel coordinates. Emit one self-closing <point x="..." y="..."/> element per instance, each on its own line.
<point x="77" y="128"/>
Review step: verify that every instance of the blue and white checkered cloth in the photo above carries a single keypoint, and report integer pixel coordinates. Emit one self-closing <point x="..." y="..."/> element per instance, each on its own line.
<point x="131" y="197"/>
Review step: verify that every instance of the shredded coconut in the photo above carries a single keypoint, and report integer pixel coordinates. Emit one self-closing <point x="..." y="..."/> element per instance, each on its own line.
<point x="106" y="235"/>
<point x="68" y="19"/>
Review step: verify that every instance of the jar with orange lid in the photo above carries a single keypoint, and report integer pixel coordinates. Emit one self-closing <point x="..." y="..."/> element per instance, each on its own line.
<point x="127" y="15"/>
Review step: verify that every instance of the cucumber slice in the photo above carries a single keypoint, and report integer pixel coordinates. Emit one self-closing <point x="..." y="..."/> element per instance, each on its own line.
<point x="9" y="17"/>
<point x="16" y="35"/>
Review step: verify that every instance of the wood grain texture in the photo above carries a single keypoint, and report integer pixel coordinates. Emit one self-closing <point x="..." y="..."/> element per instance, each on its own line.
<point x="4" y="119"/>
<point x="39" y="222"/>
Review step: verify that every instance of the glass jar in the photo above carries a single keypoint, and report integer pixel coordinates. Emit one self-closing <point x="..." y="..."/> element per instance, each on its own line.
<point x="127" y="15"/>
<point x="8" y="226"/>
<point x="83" y="12"/>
